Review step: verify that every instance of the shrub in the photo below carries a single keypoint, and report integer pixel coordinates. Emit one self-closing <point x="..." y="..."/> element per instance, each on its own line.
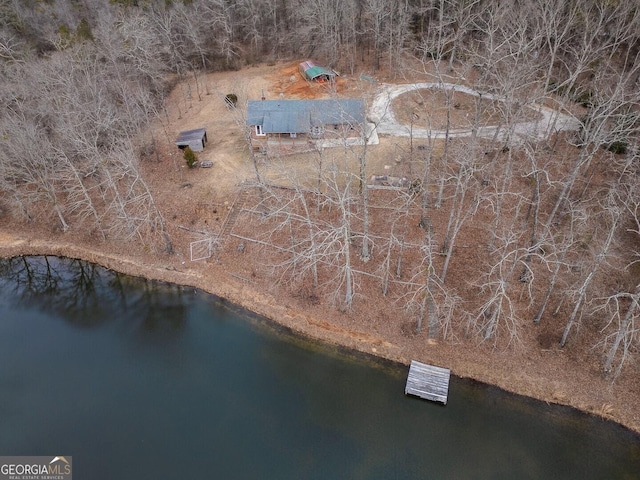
<point x="190" y="157"/>
<point x="618" y="147"/>
<point x="231" y="99"/>
<point x="83" y="32"/>
<point x="585" y="99"/>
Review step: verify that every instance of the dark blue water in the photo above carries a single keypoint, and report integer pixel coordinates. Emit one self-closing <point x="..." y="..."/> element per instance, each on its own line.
<point x="141" y="380"/>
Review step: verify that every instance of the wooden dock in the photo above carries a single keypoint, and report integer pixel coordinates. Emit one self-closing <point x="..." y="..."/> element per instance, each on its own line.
<point x="427" y="381"/>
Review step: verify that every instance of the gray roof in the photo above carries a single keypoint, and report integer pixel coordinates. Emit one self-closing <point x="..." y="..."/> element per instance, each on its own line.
<point x="298" y="116"/>
<point x="189" y="135"/>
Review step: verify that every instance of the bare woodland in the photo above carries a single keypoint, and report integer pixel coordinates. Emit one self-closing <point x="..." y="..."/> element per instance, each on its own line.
<point x="489" y="235"/>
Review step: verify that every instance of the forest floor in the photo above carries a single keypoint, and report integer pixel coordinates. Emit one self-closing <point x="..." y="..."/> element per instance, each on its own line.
<point x="194" y="203"/>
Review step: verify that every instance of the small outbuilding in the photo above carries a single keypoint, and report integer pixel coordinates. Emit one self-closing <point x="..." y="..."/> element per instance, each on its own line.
<point x="194" y="139"/>
<point x="310" y="71"/>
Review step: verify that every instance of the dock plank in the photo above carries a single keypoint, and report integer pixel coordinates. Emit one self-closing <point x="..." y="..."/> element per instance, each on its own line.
<point x="428" y="382"/>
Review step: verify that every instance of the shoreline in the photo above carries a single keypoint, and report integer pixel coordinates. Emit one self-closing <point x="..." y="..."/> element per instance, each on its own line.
<point x="241" y="294"/>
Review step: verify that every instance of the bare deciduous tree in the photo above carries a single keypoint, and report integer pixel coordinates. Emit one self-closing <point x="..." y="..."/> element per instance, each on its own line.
<point x="624" y="314"/>
<point x="610" y="220"/>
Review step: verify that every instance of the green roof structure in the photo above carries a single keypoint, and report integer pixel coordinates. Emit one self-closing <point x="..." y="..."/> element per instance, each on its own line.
<point x="311" y="71"/>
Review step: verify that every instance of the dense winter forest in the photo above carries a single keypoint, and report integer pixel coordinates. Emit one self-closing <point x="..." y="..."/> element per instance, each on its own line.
<point x="80" y="79"/>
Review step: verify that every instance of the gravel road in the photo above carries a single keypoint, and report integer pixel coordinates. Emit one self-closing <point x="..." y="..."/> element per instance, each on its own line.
<point x="381" y="114"/>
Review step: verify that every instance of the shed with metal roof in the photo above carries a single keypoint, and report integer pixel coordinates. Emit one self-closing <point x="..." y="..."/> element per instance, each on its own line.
<point x="311" y="71"/>
<point x="195" y="139"/>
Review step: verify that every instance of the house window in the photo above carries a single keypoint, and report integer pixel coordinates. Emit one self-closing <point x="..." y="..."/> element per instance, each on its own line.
<point x="293" y="135"/>
<point x="259" y="131"/>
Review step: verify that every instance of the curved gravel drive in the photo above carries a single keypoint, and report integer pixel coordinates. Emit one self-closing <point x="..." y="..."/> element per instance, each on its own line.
<point x="382" y="116"/>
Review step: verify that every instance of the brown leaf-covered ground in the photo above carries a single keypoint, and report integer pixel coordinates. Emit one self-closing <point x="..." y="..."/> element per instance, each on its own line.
<point x="195" y="203"/>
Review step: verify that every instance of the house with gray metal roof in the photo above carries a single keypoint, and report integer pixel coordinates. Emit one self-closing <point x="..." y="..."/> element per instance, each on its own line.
<point x="301" y="121"/>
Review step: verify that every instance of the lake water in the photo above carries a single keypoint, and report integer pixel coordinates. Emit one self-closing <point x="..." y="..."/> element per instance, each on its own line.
<point x="143" y="380"/>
